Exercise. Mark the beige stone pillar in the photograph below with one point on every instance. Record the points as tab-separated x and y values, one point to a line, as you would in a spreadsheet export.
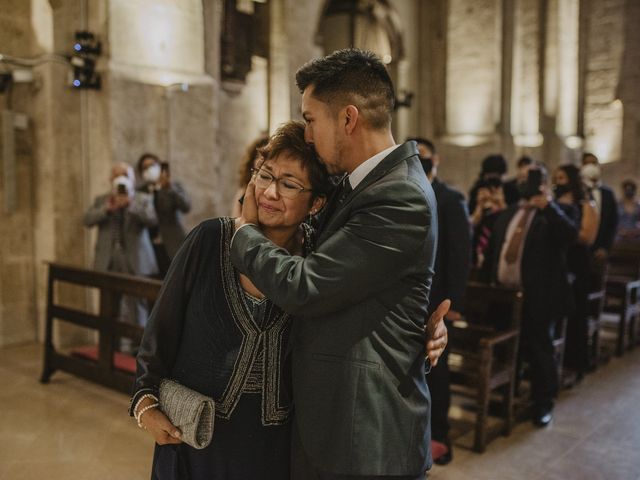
473	70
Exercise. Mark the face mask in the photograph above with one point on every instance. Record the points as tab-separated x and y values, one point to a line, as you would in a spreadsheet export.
560	190
427	164
125	182
151	174
590	175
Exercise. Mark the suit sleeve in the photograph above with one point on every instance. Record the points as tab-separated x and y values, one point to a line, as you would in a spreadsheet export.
162	334
457	235
142	209
378	244
563	228
96	213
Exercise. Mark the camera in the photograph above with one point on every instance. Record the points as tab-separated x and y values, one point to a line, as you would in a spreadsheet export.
122	189
531	187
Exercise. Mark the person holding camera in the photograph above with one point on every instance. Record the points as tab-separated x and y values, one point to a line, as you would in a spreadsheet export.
527	250
123	216
170	201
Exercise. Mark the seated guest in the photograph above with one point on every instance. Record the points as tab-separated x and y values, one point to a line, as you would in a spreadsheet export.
629	212
449	282
528	250
170	201
123	217
568	190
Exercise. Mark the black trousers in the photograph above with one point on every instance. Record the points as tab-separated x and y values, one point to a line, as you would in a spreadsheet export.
439	387
537	348
302	469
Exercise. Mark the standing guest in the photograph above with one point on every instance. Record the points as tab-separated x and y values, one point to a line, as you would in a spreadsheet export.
250	163
488	205
528	251
213	331
170	201
568	190
492	172
123	217
608	209
449	282
629	212
361	298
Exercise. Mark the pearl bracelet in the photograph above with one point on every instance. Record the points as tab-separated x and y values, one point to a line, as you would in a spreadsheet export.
146	395
148	407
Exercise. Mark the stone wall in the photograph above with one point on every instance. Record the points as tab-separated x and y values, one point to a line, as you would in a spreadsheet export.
511	76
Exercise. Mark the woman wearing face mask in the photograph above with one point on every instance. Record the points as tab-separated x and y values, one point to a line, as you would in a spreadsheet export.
568	189
170	201
629	213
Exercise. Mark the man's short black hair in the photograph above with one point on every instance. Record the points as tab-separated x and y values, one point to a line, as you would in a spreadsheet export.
494	163
424	141
525	161
351	77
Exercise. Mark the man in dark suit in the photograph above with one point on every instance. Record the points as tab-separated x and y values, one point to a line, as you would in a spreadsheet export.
607	206
359	388
453	262
528	250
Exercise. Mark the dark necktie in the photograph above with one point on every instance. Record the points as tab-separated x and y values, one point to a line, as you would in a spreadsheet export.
345	190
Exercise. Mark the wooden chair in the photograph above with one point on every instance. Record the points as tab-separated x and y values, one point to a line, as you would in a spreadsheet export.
622	297
483	352
105	370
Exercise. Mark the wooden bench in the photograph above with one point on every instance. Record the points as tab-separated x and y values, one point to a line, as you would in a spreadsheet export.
483	352
111	287
622	298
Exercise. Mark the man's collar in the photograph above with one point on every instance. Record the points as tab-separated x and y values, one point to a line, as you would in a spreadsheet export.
362	170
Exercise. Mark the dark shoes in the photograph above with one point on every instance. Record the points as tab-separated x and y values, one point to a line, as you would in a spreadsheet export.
444	455
542	416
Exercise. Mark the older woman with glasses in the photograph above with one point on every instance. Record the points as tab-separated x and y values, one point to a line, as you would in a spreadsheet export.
211	330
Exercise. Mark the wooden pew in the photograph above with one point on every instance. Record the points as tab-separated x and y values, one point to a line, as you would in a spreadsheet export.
483	352
622	298
111	287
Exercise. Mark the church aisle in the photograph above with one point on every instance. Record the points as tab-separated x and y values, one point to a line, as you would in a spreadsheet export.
73	429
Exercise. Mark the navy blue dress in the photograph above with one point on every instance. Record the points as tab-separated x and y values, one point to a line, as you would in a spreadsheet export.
206	333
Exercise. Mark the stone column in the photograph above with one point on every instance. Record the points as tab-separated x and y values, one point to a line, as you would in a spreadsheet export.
474	45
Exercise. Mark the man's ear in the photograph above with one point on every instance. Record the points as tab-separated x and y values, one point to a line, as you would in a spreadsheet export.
318	203
351	117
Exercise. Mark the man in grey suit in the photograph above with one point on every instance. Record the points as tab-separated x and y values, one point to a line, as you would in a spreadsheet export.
123	245
360	300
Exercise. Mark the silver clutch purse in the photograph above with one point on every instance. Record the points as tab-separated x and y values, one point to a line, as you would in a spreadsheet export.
190	411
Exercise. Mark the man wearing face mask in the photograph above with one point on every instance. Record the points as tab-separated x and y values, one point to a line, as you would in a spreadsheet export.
607	207
122	216
527	250
170	201
452	265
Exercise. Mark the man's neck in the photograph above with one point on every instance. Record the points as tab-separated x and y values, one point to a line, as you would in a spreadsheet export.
368	144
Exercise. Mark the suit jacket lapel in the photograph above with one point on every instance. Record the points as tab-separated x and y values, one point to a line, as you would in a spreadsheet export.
400	154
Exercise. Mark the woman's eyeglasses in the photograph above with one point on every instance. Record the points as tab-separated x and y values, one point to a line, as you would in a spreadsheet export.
286	187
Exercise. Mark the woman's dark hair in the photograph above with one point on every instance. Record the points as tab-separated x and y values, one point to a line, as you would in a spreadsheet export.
351	77
575	182
249	157
289	139
494	163
143	157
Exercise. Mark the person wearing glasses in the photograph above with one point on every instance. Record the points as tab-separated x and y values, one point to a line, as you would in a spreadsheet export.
213	331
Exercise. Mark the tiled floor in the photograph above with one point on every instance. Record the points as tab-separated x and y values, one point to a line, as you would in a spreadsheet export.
72	429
